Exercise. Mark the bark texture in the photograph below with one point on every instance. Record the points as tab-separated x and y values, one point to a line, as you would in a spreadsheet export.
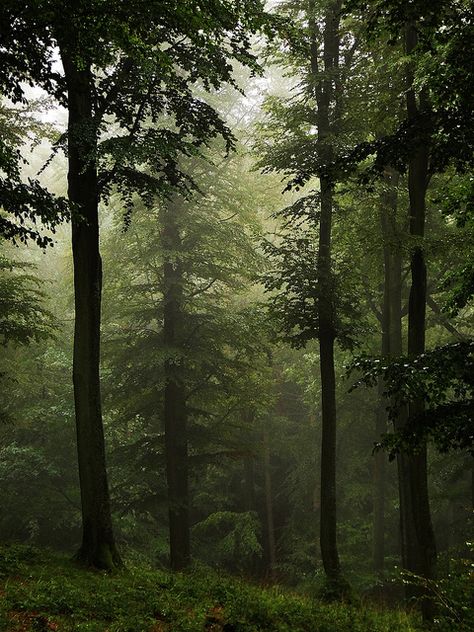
417	536
98	546
325	98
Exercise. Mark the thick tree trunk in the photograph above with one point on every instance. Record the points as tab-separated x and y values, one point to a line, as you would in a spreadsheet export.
324	88
98	547
328	526
418	542
175	413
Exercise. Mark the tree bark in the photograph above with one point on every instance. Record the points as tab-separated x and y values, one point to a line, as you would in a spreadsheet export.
98	546
391	310
418	542
379	489
325	96
175	412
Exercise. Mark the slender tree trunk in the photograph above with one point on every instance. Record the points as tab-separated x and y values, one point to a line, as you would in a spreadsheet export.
472	484
98	547
379	489
249	484
418	542
396	347
324	91
249	496
269	504
175	413
391	331
249	499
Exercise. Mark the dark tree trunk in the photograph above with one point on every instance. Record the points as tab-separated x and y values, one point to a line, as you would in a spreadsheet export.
98	547
249	484
175	413
249	498
325	97
269	504
379	489
392	276
472	485
418	542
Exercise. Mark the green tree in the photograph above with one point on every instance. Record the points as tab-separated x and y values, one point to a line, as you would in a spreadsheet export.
193	258
434	134
321	52
123	66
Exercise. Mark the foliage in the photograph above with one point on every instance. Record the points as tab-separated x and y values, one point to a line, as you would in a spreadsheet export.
235	538
27	209
292	283
443	379
442	64
52	593
145	62
453	594
38	480
23	317
457	203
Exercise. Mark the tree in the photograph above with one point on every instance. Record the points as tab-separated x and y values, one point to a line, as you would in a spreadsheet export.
442	379
305	274
23	318
186	324
123	66
435	134
418	542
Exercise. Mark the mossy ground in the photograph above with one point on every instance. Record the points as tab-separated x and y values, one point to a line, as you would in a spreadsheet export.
41	591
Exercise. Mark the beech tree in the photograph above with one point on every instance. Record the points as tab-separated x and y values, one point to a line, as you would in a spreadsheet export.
309	298
435	134
185	322
123	65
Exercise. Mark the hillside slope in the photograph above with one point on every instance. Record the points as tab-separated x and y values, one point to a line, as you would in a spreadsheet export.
41	591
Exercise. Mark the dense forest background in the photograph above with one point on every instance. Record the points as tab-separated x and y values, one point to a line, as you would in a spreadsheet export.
282	303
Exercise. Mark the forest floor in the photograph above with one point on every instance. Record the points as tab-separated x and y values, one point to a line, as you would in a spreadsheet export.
42	591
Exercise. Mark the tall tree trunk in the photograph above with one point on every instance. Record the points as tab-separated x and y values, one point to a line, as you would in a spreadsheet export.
472	484
325	97
269	504
249	497
418	542
98	546
392	280
175	413
249	483
379	488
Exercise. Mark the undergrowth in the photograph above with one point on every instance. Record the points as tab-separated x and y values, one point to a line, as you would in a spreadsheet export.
41	591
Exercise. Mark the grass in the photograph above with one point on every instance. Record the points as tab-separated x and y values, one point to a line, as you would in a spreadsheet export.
42	591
